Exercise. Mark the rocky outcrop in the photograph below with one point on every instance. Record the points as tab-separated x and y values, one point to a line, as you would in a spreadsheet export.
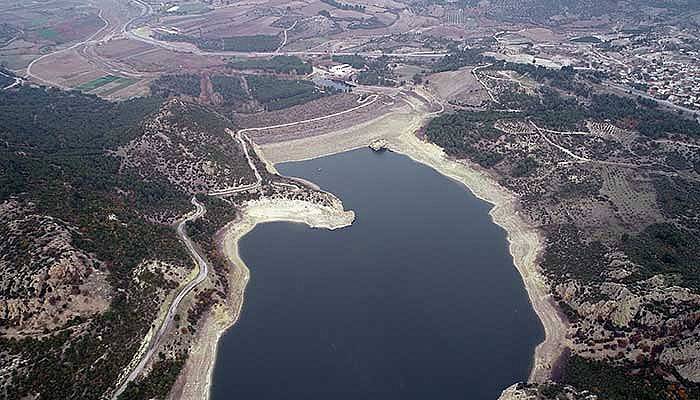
650	320
45	281
379	145
685	358
189	147
546	391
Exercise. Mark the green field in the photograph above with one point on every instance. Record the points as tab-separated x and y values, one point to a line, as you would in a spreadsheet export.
123	82
48	33
95	83
193	8
586	39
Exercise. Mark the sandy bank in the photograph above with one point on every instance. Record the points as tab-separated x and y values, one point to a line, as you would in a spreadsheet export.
398	128
525	241
404	118
195	382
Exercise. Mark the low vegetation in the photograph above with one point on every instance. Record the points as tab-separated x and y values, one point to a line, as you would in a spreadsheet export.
230	88
233	43
356	61
276	64
458	59
620	383
666	249
344	6
276	94
175	85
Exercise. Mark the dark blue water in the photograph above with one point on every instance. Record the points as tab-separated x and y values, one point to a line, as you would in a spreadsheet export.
418	299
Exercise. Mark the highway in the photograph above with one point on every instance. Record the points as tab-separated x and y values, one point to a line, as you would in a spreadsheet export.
625	90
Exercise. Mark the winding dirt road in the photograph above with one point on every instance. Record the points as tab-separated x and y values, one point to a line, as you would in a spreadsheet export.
192	49
203	271
258	178
92	37
284	42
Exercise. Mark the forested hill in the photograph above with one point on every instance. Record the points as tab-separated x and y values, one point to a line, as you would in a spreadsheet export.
55	141
85	237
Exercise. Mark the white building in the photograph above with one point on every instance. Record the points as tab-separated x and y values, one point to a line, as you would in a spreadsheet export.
342	71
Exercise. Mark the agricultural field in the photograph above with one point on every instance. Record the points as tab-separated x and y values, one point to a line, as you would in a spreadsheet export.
96	83
316	25
34	29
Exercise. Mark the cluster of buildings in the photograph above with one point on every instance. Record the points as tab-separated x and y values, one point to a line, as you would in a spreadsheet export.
342	71
338	77
663	64
677	82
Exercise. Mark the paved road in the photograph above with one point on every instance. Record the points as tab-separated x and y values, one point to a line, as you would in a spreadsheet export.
92	37
203	270
192	49
666	103
15	83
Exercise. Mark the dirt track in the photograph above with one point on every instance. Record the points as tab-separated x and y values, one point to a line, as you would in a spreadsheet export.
152	342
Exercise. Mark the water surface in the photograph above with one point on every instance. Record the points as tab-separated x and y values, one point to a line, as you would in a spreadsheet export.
418	299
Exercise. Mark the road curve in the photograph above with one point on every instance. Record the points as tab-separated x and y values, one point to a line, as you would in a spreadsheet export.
258	178
191	49
365	103
172	310
90	39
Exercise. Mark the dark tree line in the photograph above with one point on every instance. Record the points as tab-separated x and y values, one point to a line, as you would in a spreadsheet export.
277	64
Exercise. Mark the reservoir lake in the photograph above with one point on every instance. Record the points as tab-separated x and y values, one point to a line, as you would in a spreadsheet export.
418	299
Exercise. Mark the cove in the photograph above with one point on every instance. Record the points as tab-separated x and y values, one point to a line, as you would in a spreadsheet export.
417	299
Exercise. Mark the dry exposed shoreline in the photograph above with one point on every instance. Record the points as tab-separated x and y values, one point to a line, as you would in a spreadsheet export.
525	245
525	242
195	382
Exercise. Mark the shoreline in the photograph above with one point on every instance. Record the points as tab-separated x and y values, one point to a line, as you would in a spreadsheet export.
199	370
525	243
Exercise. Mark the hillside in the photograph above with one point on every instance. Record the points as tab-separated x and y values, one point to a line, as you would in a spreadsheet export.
613	185
88	253
190	148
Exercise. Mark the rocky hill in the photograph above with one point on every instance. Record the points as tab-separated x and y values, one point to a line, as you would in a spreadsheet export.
189	147
88	192
45	281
